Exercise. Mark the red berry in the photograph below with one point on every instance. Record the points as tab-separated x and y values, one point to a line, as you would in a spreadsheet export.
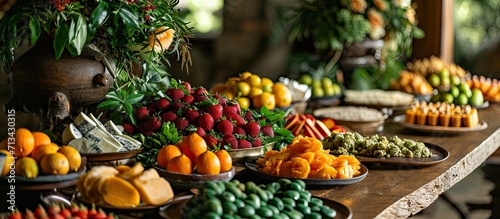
181	123
162	104
187	86
177	105
239	131
257	142
30	215
188	99
249	116
16	215
200	131
129	128
211	141
152	124
267	130
225	127
237	118
206	121
147	133
230	140
192	116
168	116
243	143
175	94
141	114
200	91
215	110
230	109
66	213
252	129
100	215
222	100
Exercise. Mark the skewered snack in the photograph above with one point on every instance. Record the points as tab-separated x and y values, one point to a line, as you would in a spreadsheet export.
442	114
353	143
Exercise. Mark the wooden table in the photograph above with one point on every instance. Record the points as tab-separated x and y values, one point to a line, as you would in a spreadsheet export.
400	192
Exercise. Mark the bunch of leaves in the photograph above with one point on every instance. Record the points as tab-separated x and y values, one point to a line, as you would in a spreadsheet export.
275	118
378	77
152	144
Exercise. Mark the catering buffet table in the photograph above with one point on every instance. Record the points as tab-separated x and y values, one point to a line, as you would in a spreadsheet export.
402	191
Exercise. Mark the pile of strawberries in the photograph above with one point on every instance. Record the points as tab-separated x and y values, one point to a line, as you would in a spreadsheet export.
57	212
220	121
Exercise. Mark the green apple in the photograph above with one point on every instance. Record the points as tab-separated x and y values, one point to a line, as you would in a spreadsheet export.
338	89
316	83
465	89
455	80
476	98
454	91
305	79
447	97
434	80
445	80
444	73
329	90
327	82
317	91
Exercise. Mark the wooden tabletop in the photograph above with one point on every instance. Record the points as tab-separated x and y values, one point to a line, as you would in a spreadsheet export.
402	191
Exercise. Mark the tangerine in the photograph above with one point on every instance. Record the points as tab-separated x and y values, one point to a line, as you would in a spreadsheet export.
25	143
192	146
27	167
264	99
245	75
41	138
167	153
43	150
55	164
73	156
226	162
180	164
282	95
208	163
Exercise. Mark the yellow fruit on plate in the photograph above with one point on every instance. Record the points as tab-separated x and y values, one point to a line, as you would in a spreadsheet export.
41	138
25	143
245	75
9	159
242	88
27	167
244	102
73	156
55	164
255	91
266	84
254	81
264	99
282	95
42	150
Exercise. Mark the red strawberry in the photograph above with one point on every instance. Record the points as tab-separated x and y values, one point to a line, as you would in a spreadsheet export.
187	86
177	105
237	118
257	142
168	116
230	109
243	143
92	212
181	123
230	140
152	124
100	215
30	215
162	104
66	213
74	208
249	116
211	141
222	100
152	109
141	114
200	91
16	215
215	110
206	121
175	94
129	128
225	127
239	131
192	116
200	131
147	133
267	130
253	129
235	104
188	99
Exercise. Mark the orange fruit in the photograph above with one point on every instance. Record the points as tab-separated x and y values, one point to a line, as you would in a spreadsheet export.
226	162
255	91
242	88
25	143
43	150
264	99
41	138
167	153
254	81
73	156
208	163
180	164
56	164
245	75
9	160
192	146
27	167
282	95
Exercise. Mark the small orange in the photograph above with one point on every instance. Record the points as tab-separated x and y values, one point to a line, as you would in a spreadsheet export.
180	164
25	143
166	153
55	164
73	156
192	146
27	167
208	163
226	162
8	161
282	95
41	138
43	150
264	99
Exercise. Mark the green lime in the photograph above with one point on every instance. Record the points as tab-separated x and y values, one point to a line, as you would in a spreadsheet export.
444	73
462	99
434	80
329	91
327	82
337	88
454	91
455	80
318	92
447	97
445	80
464	88
305	79
316	83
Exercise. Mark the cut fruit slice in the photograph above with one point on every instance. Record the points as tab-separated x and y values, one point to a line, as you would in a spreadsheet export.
321	127
329	123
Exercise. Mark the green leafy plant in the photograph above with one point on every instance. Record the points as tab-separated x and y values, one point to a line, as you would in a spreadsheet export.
129	31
